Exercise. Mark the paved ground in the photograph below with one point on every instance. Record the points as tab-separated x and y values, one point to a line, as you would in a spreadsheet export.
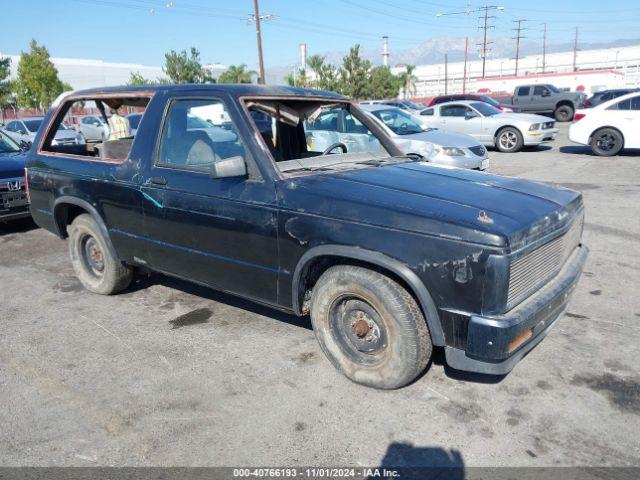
172	374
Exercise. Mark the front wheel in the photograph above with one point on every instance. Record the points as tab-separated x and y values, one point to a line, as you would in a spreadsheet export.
369	327
509	140
606	142
95	267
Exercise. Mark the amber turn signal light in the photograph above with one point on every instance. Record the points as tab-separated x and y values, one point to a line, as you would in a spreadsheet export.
519	340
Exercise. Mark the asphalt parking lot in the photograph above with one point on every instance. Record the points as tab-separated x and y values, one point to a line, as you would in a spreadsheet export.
168	373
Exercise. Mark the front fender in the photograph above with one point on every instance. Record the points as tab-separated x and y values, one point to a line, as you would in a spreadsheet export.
381	260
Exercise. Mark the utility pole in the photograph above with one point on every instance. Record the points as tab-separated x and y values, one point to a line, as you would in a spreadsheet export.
446	74
575	50
485	27
256	13
544	47
464	72
517	38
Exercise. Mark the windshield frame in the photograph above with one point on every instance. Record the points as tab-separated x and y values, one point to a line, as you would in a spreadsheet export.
377	130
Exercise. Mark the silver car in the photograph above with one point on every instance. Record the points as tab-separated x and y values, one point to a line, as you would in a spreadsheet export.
437	146
94	128
25	129
508	132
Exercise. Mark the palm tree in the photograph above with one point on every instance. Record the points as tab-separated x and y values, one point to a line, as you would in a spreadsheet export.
316	62
237	74
408	80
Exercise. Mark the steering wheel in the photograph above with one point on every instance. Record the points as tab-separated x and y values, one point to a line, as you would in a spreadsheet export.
333	146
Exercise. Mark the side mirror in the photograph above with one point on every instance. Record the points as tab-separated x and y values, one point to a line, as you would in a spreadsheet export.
24	145
545	94
229	167
469	116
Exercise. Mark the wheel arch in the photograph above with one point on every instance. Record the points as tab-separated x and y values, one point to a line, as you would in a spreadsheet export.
325	256
66	208
502	127
562	103
602	127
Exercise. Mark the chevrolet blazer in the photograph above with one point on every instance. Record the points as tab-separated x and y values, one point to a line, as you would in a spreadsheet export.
225	186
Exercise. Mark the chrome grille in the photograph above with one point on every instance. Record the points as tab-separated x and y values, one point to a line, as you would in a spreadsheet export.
478	150
534	269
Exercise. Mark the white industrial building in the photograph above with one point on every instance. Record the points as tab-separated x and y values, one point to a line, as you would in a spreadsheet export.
595	70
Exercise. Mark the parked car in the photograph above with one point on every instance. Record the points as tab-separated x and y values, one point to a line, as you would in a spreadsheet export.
610	126
24	130
545	98
436	146
389	255
93	128
13	198
403	104
606	95
134	121
478	98
508	132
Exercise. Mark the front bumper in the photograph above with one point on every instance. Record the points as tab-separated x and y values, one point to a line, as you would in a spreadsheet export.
489	347
540	136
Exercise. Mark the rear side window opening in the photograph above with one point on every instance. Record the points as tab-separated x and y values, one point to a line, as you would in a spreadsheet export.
100	129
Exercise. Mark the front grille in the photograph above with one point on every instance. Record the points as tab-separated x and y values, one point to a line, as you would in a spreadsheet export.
548	125
533	270
11	186
478	150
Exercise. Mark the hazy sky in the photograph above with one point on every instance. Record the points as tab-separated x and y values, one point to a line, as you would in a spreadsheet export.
140	31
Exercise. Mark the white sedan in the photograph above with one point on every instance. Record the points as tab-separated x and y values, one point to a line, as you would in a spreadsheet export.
508	132
610	126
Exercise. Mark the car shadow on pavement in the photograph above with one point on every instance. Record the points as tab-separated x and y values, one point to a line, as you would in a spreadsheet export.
142	282
411	463
17	226
536	148
586	150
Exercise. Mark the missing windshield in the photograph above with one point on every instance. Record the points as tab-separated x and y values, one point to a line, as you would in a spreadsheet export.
315	135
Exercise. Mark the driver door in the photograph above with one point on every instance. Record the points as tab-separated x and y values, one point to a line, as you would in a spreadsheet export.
461	118
216	231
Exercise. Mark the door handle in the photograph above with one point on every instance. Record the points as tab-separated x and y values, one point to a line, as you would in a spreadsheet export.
158	180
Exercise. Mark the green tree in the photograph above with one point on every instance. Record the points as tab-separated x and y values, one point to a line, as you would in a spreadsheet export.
38	83
384	84
185	68
6	86
136	79
354	75
299	80
237	74
325	75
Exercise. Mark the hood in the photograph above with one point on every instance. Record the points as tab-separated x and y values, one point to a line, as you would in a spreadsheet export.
525	117
12	165
435	200
443	138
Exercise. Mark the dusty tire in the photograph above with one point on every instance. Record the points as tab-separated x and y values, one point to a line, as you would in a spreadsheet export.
369	327
606	142
95	267
564	113
509	140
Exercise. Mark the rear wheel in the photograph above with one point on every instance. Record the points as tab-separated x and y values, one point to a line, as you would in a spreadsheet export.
606	142
95	267
369	327
564	113
509	140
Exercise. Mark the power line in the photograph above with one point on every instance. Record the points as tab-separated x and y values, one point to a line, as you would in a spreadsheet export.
517	38
485	28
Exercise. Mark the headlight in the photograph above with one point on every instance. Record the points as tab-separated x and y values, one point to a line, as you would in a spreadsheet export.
535	126
452	152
